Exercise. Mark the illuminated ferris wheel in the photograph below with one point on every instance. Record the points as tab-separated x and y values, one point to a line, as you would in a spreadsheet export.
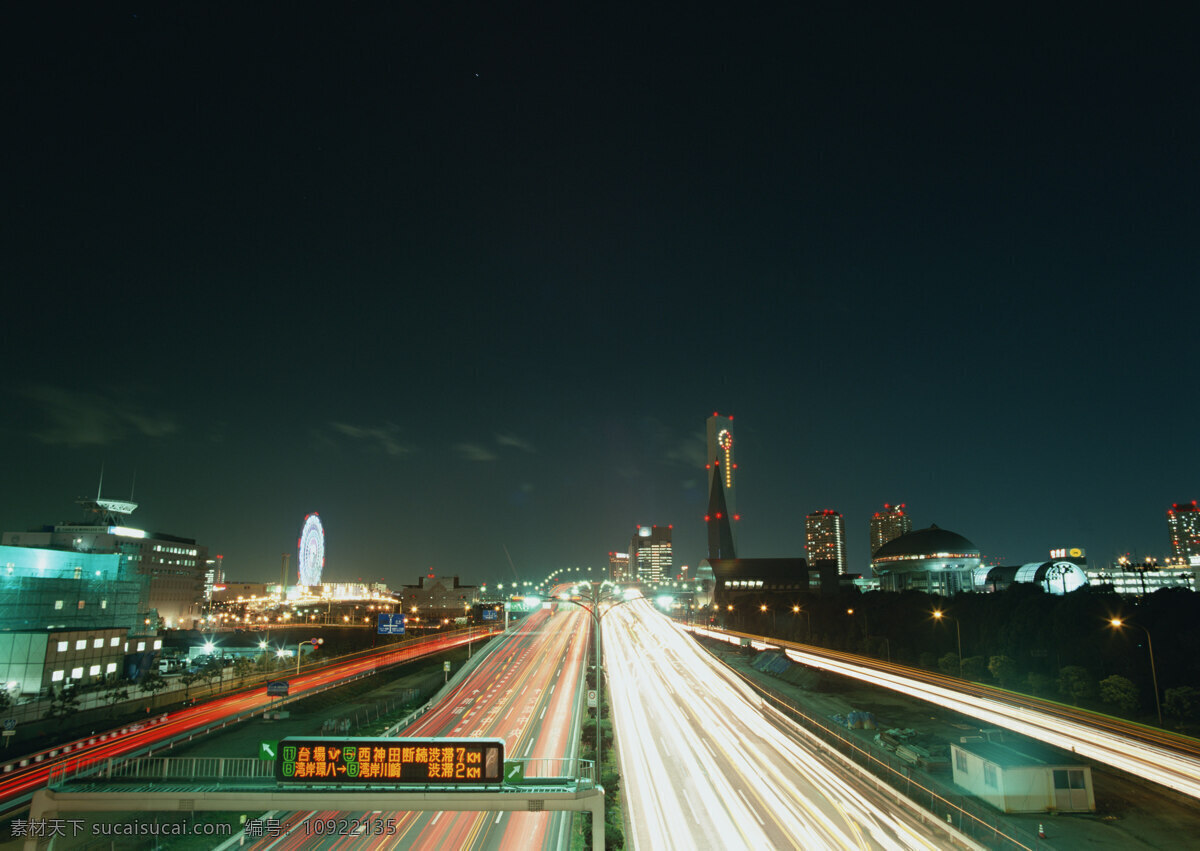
312	550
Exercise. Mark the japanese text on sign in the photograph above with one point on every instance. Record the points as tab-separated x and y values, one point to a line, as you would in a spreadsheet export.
421	761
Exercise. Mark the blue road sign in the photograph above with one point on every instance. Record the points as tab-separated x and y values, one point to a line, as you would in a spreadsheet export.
278	688
391	623
489	614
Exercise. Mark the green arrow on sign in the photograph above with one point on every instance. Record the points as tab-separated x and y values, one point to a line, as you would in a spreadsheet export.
266	750
514	772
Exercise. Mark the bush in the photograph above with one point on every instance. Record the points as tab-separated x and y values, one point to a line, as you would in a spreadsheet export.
1005	671
1120	692
975	668
1182	703
948	664
1076	683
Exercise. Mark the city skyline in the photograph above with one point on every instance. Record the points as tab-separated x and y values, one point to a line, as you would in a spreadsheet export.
467	283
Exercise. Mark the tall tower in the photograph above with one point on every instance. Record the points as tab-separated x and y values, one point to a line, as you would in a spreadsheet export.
890	523
1183	523
722	495
825	538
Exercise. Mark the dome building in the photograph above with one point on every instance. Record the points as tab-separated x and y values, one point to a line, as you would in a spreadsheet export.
933	560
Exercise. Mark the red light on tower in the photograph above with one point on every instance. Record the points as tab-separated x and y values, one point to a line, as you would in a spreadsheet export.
707	518
737	517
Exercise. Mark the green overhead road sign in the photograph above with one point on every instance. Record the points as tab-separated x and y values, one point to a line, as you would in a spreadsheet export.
266	750
514	772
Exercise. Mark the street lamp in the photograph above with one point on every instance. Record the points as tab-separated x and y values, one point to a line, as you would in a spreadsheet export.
314	642
938	614
1117	623
796	610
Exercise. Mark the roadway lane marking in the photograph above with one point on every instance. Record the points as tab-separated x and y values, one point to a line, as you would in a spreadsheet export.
543	715
439	815
499	816
753	811
710	750
662	742
688	799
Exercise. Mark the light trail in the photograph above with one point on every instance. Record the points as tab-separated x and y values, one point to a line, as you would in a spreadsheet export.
707	763
1178	771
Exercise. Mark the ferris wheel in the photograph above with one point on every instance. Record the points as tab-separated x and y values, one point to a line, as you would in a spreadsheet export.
312	550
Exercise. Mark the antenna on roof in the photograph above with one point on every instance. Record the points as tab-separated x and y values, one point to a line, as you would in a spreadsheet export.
100	486
133	485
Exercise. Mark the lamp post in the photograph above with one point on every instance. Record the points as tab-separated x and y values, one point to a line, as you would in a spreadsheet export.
938	614
314	643
796	610
1117	623
596	597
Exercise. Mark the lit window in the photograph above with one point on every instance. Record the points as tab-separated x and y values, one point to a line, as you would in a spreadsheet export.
112	667
62	646
158	644
960	760
58	605
81	644
57	676
989	775
141	646
97	643
104	604
94	670
114	641
76	673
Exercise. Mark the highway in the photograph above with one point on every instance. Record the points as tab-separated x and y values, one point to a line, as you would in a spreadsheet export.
527	691
705	763
18	784
1155	755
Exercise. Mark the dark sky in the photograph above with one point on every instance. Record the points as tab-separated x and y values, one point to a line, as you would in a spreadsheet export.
463	277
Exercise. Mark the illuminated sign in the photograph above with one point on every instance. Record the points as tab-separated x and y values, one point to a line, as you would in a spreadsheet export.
391	623
361	761
126	532
1073	552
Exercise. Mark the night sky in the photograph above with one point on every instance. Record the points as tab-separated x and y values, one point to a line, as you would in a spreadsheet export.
462	277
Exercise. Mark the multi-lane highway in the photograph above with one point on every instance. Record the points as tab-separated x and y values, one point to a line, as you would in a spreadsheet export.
1156	755
527	691
18	784
706	764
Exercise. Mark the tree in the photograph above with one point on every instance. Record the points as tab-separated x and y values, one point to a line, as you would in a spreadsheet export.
243	666
1182	703
5	700
1004	670
974	668
1120	692
211	670
927	659
116	689
152	683
64	702
189	679
948	664
1076	682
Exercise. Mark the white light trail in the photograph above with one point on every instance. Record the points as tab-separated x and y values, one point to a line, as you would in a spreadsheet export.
707	763
1160	765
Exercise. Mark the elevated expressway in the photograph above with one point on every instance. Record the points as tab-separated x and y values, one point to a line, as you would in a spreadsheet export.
528	690
707	763
1146	752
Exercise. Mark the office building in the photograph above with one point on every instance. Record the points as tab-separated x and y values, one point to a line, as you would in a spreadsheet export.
889	524
174	565
71	618
1183	524
650	554
618	567
825	538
